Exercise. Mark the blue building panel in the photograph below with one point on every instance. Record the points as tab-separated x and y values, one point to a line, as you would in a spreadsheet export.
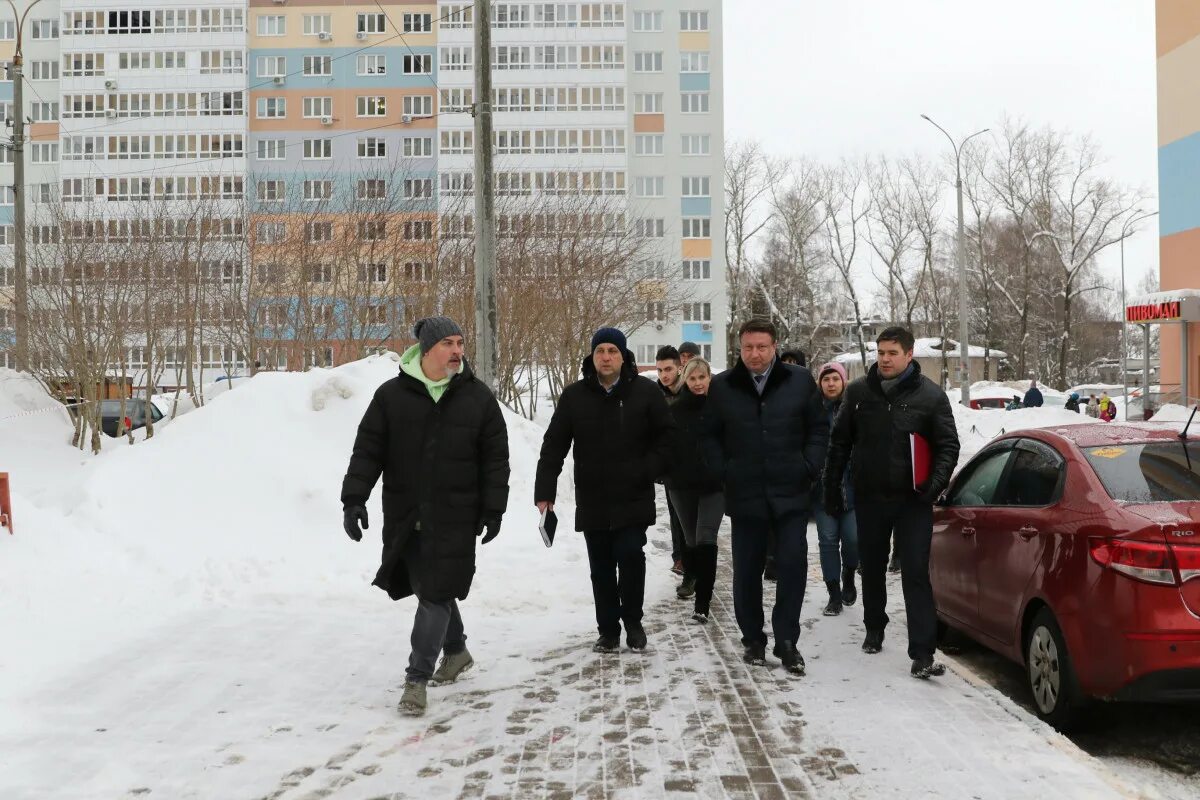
344	69
694	82
1179	185
694	332
696	206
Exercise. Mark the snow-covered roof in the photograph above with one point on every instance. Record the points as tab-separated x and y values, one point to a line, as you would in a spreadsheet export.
928	347
1165	296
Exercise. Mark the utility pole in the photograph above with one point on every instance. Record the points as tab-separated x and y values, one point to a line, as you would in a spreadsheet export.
21	274
964	309
1125	232
485	201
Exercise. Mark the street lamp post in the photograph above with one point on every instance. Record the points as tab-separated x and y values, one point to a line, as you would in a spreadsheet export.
964	352
20	276
1125	326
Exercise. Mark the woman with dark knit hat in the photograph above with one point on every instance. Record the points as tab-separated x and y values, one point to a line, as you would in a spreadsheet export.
837	531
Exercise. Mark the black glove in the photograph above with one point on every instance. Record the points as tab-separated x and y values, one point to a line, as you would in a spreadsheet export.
352	517
928	492
493	529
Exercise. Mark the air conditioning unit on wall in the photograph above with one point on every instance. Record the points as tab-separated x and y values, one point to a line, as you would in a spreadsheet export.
326	120
324	36
706	327
110	85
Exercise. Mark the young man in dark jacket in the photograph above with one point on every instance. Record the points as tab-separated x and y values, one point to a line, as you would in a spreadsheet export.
437	436
873	433
621	429
667	362
766	438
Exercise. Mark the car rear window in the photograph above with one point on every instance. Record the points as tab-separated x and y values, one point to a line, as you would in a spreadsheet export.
111	408
1150	472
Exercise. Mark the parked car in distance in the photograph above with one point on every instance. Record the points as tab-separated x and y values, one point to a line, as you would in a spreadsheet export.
1076	552
135	415
988	403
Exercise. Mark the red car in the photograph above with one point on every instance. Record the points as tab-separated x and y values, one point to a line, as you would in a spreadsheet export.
1076	552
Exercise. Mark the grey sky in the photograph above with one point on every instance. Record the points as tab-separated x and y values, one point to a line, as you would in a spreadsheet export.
832	78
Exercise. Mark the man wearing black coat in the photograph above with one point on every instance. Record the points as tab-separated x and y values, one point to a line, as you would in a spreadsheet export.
621	430
437	436
766	437
874	432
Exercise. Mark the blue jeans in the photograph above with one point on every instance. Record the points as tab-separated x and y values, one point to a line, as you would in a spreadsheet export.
750	545
837	538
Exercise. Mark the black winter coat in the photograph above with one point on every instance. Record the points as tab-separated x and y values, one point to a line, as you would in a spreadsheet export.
444	465
871	432
689	467
622	445
767	450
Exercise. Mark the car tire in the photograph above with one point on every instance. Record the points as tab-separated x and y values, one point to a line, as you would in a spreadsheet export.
1050	673
949	639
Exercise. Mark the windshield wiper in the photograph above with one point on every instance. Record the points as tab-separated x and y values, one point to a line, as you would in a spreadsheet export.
1183	437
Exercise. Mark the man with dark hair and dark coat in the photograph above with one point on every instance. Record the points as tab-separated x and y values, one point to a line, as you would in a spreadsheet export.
438	437
667	363
622	432
873	433
766	438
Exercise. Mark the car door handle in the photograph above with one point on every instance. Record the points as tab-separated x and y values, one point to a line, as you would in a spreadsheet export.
968	531
1027	532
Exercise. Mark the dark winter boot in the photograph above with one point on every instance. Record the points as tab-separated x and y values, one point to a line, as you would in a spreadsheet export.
704	562
834	606
787	653
849	593
755	654
925	668
635	636
607	644
687	588
873	643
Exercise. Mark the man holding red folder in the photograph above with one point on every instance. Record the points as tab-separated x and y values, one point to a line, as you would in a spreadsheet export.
896	430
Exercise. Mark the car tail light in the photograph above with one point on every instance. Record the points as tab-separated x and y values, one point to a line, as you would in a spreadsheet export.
1143	561
1187	558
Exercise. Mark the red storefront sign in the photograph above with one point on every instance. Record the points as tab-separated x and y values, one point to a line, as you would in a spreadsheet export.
1153	312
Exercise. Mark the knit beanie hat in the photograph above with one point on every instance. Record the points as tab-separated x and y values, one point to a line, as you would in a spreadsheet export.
833	366
689	347
609	336
431	330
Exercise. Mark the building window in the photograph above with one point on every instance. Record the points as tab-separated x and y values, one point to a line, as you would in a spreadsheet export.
271	149
316	24
48	28
696	144
372	273
318	190
43	112
418	188
372	147
694	102
318	148
656	311
372	23
43	70
648	21
693	20
317	107
418	105
418	230
266	66
417	23
371	106
418	271
320	232
271	192
648	62
697	270
372	230
318	65
372	65
697	312
645	103
370	189
272	25
272	107
696	187
45	152
418	147
693	61
418	65
649	186
649	228
697	228
648	144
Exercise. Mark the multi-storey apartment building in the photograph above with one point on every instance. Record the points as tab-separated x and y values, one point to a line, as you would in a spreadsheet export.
338	135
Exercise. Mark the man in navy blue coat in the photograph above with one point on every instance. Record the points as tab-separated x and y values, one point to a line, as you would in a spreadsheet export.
766	437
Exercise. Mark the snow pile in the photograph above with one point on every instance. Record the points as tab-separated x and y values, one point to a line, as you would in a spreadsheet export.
977	428
237	504
1172	412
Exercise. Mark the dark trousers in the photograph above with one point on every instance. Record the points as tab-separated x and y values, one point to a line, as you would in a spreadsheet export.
678	543
912	523
752	538
437	628
618	567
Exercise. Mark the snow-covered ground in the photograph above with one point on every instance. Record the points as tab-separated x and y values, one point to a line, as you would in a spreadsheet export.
178	608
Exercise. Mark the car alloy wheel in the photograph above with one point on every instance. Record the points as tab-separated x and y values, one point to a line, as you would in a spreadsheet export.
1045	674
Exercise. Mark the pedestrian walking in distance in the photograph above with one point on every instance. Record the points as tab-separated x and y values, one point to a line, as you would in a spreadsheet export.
695	491
667	363
766	435
437	436
621	429
1033	396
875	432
837	533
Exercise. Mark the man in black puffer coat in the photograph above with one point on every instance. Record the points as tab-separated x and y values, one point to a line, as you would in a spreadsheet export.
766	437
873	433
622	433
437	436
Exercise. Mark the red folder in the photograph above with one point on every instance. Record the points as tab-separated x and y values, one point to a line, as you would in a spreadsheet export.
922	459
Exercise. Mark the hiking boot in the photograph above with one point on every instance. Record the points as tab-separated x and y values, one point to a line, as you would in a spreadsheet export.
793	662
925	668
635	636
607	644
769	573
873	643
412	702
755	654
894	564
700	617
834	607
849	593
452	667
677	567
687	588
